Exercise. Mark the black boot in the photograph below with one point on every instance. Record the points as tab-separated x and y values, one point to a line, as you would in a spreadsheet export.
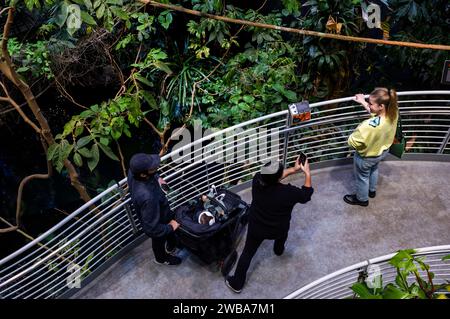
352	200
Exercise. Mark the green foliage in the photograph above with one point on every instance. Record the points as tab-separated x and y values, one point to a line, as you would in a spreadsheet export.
256	70
165	19
291	6
145	26
256	82
208	6
408	266
30	58
416	23
85	271
104	123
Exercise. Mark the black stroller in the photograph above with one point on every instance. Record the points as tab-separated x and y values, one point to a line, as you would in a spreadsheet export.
216	242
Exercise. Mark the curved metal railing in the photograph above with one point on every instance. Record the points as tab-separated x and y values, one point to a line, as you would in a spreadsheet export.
88	240
338	284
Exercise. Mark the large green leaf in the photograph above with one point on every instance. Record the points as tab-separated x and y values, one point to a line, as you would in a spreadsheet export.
87	18
165	19
85	152
62	14
100	11
163	67
144	80
118	12
108	152
88	4
93	161
164	107
86	114
363	292
392	292
52	151
64	151
78	160
290	95
401	257
97	3
84	141
68	127
104	141
248	98
150	99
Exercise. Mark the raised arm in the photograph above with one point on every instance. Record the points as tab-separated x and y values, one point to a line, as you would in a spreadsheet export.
361	100
299	167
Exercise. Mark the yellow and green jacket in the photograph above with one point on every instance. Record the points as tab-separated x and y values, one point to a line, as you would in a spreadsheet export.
373	136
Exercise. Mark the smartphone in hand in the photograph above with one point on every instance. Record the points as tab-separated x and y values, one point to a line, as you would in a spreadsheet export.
302	158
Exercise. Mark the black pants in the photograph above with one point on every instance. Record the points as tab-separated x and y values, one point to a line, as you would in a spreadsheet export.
158	246
252	243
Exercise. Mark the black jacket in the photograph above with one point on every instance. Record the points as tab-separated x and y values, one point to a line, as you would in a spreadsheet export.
271	208
151	205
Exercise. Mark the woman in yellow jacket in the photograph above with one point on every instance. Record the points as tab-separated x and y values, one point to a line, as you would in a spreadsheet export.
371	141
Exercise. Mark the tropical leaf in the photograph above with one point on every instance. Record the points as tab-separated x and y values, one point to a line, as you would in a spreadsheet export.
108	152
93	161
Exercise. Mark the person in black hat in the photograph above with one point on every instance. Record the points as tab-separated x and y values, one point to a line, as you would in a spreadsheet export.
270	213
152	207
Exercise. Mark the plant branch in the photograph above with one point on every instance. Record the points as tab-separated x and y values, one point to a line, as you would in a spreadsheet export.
7	68
419	281
122	160
20	190
153	127
31	238
25	103
297	31
66	94
18	109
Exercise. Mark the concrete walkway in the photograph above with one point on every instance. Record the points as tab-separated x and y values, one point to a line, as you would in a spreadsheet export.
411	210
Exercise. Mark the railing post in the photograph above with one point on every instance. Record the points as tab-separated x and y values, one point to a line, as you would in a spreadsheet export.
286	137
444	142
128	210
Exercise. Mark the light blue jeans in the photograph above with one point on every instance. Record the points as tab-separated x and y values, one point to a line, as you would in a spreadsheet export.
366	174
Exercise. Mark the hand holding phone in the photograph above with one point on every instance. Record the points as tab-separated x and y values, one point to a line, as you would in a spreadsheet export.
302	158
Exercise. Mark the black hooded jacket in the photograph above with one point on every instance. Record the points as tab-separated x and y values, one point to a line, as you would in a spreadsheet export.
152	206
271	208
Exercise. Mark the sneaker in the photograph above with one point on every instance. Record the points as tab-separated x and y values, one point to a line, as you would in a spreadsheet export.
372	194
277	250
170	260
237	291
169	248
352	200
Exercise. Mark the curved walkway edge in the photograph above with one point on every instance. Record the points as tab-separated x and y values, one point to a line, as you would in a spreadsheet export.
412	209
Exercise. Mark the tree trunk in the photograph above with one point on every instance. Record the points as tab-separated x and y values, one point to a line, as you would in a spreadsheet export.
6	67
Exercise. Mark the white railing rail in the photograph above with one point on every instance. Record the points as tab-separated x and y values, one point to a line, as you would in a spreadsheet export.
92	235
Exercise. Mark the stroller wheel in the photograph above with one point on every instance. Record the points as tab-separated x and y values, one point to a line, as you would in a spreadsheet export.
229	262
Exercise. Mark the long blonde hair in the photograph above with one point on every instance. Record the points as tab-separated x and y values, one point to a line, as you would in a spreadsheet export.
388	97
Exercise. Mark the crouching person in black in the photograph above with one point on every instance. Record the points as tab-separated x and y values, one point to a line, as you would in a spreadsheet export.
152	207
270	214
